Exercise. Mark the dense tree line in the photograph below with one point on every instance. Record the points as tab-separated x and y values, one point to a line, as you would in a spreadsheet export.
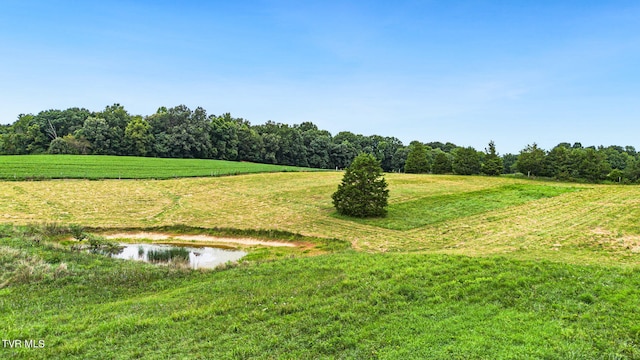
180	132
575	162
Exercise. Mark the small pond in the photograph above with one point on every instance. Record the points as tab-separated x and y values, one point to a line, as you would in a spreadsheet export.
198	257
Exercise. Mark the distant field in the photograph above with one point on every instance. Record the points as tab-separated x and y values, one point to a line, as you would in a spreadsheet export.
21	167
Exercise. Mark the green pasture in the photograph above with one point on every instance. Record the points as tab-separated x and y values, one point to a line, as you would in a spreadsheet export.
423	211
342	305
41	167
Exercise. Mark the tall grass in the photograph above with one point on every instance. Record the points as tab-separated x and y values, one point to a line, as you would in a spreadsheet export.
174	254
19	267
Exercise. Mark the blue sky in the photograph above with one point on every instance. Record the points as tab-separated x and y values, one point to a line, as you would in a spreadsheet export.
468	72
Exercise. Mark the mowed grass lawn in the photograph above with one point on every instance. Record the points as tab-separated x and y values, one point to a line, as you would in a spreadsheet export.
21	167
518	218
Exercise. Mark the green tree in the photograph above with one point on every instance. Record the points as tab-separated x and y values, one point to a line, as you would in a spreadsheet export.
224	137
508	163
441	163
363	191
593	165
466	161
342	154
181	133
399	159
60	146
117	119
559	162
531	160
98	133
492	165
416	159
137	137
385	149
250	143
68	144
632	170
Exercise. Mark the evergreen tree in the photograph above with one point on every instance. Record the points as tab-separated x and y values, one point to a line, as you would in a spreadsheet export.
416	159
593	166
363	191
441	163
492	165
559	162
466	161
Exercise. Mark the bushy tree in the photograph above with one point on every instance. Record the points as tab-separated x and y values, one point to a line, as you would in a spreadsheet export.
342	154
98	133
416	159
137	136
559	162
399	159
363	191
466	161
508	163
441	163
593	165
69	144
224	137
532	160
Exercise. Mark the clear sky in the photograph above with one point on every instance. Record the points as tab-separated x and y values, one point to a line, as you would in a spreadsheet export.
512	71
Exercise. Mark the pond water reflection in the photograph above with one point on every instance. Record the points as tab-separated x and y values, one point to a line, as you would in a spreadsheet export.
199	257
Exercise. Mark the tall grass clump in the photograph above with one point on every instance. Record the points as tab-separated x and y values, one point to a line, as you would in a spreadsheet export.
175	254
18	267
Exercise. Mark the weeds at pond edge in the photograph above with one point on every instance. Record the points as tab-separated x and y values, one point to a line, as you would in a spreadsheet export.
174	254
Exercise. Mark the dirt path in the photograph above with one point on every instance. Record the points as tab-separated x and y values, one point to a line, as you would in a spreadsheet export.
201	238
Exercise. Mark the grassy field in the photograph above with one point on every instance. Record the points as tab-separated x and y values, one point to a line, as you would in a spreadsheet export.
346	305
41	167
574	223
463	267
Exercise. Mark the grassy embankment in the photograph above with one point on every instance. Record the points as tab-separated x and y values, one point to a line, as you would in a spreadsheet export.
553	272
42	167
345	305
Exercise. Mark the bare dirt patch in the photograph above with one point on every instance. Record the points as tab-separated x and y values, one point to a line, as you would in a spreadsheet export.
601	231
200	238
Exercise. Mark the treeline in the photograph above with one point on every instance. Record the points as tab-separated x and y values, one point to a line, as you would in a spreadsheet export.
575	162
180	132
